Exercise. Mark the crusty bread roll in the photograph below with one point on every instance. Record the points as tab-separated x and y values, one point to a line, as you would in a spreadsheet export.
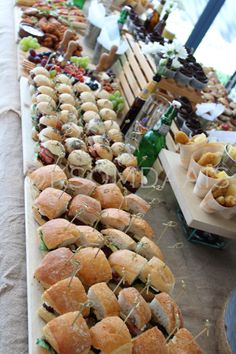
86	208
161	277
89	237
94	267
151	341
130	299
67	338
119	239
55	266
135	204
79	185
104	302
50	204
131	178
58	233
166	312
66	295
148	249
109	195
111	336
183	343
48	176
101	151
128	264
140	227
49	133
115	218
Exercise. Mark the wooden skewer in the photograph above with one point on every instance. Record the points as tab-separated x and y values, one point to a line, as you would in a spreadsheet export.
177	324
83	306
122	280
167	225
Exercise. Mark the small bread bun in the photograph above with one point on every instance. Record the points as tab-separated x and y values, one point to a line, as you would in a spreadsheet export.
104	103
39	70
87	97
161	277
166	312
46	90
49	133
79	185
65	338
48	176
132	178
55	148
81	87
88	106
103	94
115	218
101	151
119	239
140	227
141	314
72	130
89	237
151	341
109	195
58	233
64	88
86	208
68	107
125	160
94	267
54	266
104	172
72	144
115	135
135	204
108	114
63	79
118	149
66	98
79	158
42	80
44	108
95	127
148	249
50	121
67	116
45	98
99	139
104	302
183	343
112	336
127	264
111	124
87	116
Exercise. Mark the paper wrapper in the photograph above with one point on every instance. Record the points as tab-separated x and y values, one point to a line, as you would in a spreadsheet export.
203	184
194	168
187	150
211	206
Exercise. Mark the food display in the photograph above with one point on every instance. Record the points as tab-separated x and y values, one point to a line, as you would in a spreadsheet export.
100	270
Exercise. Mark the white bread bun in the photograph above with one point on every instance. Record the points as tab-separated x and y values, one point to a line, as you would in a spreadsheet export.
140	227
39	70
115	135
104	103
141	313
183	343
101	151
69	107
45	98
166	312
115	218
118	149
104	172
48	176
87	97
79	185
55	147
64	88
135	204
109	195
63	79
46	90
88	106
132	178
125	160
129	262
151	341
80	158
58	233
49	133
89	237
111	124
111	336
87	208
89	115
108	114
103	94
104	302
161	277
72	144
44	108
100	139
55	266
64	337
81	87
119	239
42	80
66	98
95	127
94	267
72	130
50	121
148	249
67	115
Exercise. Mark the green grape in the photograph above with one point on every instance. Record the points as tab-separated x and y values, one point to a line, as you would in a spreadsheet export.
52	73
120	107
117	94
120	100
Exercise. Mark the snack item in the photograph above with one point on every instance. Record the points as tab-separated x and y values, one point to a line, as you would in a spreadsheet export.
101	151
49	133
79	185
89	237
132	178
183	343
109	195
209	159
181	138
151	341
72	144
108	114
104	172
80	162
84	209
148	249
72	130
115	218
48	176
51	151
125	160
135	204
118	240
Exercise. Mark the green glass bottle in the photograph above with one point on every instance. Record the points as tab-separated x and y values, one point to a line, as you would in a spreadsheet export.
155	139
123	17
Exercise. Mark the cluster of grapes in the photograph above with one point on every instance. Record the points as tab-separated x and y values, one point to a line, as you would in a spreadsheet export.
29	42
83	62
117	101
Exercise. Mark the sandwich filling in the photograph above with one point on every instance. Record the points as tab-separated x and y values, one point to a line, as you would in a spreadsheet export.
45	345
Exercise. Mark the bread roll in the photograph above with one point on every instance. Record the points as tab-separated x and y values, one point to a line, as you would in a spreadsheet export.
48	176
86	209
109	195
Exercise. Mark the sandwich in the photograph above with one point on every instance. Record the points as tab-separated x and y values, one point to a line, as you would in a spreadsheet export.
89	115
94	267
89	237
132	178
115	218
68	114
183	343
65	334
50	121
119	148
66	295
115	136
104	172
97	139
151	341
125	160
48	176
111	124
148	249
79	185
49	133
111	336
85	209
126	264
55	266
166	313
71	130
94	126
159	274
140	227
79	162
132	304
50	204
51	151
72	144
101	151
57	233
118	240
135	204
104	302
108	114
109	195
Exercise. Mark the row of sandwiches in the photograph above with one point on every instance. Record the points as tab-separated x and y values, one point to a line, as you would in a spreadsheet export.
106	286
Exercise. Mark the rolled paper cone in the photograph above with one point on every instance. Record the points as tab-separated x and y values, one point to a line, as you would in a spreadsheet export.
203	185
194	168
187	150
